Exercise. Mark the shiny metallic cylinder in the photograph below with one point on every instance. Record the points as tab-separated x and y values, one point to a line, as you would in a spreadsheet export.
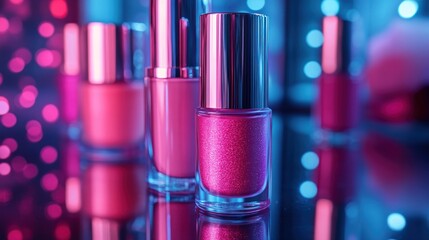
174	36
113	53
234	61
337	45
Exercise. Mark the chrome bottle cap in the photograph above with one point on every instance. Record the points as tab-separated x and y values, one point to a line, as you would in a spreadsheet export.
174	39
234	61
113	53
337	45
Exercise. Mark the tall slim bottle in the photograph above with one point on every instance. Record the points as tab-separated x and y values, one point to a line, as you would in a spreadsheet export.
233	121
173	81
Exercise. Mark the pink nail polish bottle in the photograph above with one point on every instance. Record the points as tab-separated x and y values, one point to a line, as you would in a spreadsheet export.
172	218
173	81
69	78
112	95
233	121
248	228
337	103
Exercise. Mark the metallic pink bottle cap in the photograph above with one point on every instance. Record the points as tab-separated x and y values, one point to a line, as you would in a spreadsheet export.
336	50
113	53
71	49
174	36
234	61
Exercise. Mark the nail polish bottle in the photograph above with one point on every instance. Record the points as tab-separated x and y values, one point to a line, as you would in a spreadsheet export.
233	121
337	102
69	79
247	228
172	217
112	95
173	81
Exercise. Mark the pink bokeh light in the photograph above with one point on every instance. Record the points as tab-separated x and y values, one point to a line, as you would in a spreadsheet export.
34	131
5	195
4	24
24	54
4	169
15	234
50	113
16	1
11	143
28	96
54	211
62	232
4	152
58	8
1	78
18	163
4	105
49	182
46	29
16	64
48	154
15	26
30	171
8	120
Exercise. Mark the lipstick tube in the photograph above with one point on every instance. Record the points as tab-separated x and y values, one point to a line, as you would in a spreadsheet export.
112	95
233	121
337	103
173	81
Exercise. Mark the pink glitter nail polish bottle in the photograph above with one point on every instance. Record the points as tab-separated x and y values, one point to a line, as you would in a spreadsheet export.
234	121
173	81
112	95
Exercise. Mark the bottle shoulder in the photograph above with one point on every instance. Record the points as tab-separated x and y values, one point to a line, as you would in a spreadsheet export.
235	112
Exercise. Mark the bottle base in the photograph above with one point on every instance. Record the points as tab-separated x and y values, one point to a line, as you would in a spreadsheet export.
233	208
164	184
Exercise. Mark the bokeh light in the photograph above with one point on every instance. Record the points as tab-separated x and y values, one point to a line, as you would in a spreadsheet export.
256	5
312	69
49	182
15	234
310	160
1	78
53	211
330	7
46	29
8	120
408	8
314	38
396	221
58	8
15	26
16	64
62	231
28	96
30	171
50	113
34	131
48	154
18	163
5	195
4	151
4	24
16	1
24	54
308	189
4	105
48	58
11	143
4	169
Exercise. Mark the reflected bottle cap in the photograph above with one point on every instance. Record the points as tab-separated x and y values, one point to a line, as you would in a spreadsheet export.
113	53
337	45
174	37
234	61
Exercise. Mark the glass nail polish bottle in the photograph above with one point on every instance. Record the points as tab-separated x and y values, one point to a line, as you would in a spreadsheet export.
112	94
233	121
173	81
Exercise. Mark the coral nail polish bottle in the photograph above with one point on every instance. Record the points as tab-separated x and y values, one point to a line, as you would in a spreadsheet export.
69	79
233	121
173	81
112	96
338	90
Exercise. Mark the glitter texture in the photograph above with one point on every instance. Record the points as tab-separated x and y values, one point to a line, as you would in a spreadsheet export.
233	151
225	230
